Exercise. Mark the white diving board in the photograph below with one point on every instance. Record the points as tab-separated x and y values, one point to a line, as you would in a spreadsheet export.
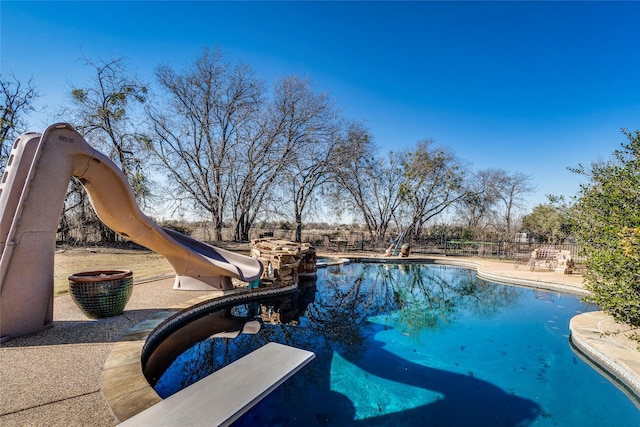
222	397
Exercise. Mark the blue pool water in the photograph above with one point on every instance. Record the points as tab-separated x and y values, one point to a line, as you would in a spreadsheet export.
414	345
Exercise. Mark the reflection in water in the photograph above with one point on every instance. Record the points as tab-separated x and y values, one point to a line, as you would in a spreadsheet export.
395	345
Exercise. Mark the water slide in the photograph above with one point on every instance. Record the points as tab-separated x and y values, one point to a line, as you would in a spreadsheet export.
32	193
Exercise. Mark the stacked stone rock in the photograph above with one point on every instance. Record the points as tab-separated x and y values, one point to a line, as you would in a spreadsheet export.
309	261
281	260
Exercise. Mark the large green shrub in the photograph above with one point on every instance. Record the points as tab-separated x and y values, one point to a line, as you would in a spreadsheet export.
548	222
606	218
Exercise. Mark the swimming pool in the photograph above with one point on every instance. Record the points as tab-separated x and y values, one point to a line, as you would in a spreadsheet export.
414	344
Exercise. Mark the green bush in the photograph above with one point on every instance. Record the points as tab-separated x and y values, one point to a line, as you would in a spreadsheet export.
606	220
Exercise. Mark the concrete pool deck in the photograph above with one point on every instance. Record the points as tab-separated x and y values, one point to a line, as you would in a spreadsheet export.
55	377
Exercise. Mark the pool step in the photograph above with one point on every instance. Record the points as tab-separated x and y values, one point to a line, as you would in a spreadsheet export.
222	397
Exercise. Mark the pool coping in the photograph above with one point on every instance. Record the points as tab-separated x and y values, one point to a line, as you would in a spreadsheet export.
614	361
127	391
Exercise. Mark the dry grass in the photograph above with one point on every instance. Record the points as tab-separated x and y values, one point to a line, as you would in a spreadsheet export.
143	263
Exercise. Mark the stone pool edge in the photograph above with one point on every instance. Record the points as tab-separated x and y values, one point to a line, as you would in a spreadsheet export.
615	361
124	386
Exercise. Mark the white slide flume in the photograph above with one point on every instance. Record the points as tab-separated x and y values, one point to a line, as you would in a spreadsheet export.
32	193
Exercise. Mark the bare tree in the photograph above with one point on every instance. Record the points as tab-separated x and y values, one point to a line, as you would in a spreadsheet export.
261	161
479	198
510	191
107	110
104	111
366	185
309	127
16	101
432	182
211	124
293	132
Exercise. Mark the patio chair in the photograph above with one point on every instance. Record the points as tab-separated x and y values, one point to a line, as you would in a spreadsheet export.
351	242
327	244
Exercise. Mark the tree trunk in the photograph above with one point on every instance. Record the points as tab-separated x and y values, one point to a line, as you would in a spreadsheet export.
298	236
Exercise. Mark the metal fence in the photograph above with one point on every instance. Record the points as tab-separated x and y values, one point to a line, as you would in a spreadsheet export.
361	241
352	241
517	251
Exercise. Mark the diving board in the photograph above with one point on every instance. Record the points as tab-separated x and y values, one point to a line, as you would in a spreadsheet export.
222	397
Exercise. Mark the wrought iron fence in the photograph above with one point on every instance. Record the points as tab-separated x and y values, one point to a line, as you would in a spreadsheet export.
510	250
513	250
362	241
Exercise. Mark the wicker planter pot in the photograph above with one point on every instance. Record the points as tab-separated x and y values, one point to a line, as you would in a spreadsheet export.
101	293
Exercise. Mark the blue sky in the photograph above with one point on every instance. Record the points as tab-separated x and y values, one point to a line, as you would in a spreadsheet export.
531	87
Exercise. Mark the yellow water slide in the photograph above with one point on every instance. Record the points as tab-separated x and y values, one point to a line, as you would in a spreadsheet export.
32	193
